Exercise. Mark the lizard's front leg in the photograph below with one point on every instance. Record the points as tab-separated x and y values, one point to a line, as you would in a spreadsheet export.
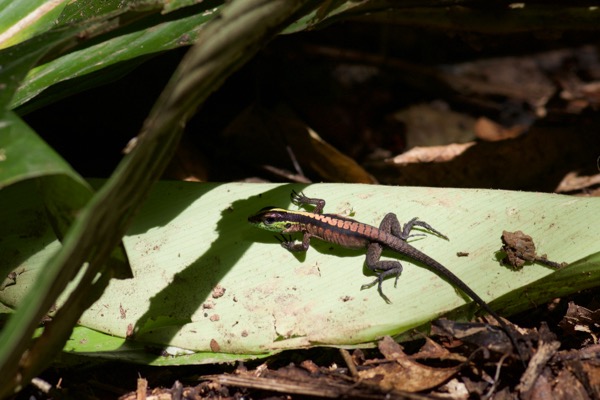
290	244
300	199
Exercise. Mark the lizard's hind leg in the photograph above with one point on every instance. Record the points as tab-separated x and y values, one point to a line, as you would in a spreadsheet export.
383	269
404	234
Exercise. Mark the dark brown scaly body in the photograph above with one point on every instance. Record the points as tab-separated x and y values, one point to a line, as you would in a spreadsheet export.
336	229
352	234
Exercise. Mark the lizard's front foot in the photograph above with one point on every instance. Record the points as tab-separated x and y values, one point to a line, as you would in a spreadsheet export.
298	199
290	244
301	200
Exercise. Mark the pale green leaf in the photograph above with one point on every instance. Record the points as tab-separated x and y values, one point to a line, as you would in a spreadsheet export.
189	238
85	342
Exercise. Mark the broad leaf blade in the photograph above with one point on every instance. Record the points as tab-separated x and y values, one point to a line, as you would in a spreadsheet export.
18	60
25	155
189	238
148	36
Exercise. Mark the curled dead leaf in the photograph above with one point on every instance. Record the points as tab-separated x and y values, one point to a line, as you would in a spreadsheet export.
401	373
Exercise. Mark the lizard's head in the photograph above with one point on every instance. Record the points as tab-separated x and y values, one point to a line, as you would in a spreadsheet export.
275	220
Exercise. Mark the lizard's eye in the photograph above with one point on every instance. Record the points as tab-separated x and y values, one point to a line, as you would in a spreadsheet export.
269	220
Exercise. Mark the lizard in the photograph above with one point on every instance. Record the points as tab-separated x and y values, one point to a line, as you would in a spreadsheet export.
349	233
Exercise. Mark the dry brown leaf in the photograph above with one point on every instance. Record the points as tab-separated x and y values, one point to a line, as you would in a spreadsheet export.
581	319
433	350
486	129
431	154
402	373
572	182
568	387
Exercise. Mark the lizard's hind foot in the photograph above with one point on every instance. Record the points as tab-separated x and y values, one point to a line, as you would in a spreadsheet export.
381	275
